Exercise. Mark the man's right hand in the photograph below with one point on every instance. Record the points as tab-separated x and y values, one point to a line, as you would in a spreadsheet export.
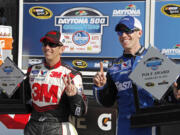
100	79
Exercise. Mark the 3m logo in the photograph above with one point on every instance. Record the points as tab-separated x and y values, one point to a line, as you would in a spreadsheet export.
40	92
56	74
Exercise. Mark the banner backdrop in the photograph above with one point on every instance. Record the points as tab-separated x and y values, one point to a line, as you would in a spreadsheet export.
167	23
88	30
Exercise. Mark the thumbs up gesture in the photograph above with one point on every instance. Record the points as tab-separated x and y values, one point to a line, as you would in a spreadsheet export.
100	79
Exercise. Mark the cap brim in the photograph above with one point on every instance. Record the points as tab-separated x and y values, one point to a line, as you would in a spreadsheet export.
49	39
118	26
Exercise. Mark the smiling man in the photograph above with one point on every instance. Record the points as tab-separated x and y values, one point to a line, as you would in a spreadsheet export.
56	91
116	85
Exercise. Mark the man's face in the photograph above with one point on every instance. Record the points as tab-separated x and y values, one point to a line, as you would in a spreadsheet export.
129	39
52	51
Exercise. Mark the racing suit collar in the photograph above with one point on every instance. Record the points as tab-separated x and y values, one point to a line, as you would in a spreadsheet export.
52	67
138	53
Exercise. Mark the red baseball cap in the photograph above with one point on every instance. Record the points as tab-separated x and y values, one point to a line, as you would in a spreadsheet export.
52	36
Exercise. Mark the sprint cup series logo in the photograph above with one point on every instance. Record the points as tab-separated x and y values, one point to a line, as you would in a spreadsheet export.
40	12
171	10
82	29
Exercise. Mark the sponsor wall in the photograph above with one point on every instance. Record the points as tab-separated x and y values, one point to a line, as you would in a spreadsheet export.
87	30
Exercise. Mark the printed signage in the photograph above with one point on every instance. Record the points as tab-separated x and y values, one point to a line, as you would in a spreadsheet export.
97	121
167	18
155	73
87	30
10	77
82	29
40	12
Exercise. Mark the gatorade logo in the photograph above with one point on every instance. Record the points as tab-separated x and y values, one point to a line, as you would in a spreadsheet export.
104	122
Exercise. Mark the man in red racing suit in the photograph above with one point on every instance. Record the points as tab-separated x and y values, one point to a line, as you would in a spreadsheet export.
56	91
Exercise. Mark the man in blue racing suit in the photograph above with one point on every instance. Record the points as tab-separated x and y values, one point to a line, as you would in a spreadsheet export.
116	85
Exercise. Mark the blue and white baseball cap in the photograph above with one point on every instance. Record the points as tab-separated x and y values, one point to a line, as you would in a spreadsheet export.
130	22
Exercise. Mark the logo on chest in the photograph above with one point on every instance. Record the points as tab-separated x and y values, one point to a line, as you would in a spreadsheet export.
43	93
55	74
124	85
126	65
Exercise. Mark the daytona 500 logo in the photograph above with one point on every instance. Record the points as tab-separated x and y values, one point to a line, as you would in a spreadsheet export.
82	29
